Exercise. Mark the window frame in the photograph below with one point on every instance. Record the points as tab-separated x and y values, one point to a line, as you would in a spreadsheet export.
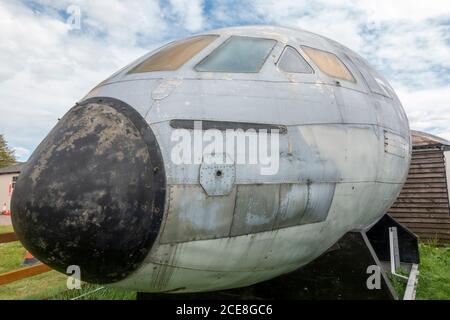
131	70
366	70
263	63
354	81
14	181
313	71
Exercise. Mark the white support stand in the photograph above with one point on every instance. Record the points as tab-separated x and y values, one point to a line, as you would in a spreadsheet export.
395	254
410	292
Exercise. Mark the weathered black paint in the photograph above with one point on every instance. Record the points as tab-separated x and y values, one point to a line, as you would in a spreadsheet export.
227	125
407	241
93	192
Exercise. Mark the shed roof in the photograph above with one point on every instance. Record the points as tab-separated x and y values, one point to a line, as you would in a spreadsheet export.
420	139
16	168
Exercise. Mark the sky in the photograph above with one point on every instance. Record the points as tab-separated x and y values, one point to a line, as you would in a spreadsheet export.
53	52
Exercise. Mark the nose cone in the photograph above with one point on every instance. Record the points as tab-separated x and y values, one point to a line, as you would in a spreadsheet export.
92	194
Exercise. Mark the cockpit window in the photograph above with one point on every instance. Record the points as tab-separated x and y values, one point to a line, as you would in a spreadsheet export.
238	55
174	55
329	63
292	61
374	81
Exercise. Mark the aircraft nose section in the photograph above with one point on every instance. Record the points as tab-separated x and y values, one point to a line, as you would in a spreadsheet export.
92	194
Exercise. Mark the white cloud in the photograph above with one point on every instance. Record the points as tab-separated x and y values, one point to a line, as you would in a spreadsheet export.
117	21
21	154
401	9
428	109
46	67
406	40
189	13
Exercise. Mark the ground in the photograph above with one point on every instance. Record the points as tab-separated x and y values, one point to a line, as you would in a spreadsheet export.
434	278
48	286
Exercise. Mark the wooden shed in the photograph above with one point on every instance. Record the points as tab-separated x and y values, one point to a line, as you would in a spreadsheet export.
423	204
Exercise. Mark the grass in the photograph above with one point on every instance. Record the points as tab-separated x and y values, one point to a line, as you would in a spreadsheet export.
11	254
434	268
50	285
6	229
434	274
102	293
434	278
37	287
399	284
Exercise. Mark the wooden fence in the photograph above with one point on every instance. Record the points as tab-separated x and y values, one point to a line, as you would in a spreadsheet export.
21	273
423	204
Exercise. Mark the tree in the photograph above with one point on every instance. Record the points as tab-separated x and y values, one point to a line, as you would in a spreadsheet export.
7	157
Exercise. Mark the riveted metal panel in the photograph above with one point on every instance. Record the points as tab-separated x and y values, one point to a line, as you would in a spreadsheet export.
256	208
137	93
165	88
216	176
265	102
217	179
293	202
193	215
395	144
320	196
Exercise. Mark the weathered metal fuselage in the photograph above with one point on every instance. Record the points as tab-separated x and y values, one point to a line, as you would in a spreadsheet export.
343	160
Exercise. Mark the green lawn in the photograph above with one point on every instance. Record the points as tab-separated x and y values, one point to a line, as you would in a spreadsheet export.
5	229
11	254
50	285
434	278
37	287
98	293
